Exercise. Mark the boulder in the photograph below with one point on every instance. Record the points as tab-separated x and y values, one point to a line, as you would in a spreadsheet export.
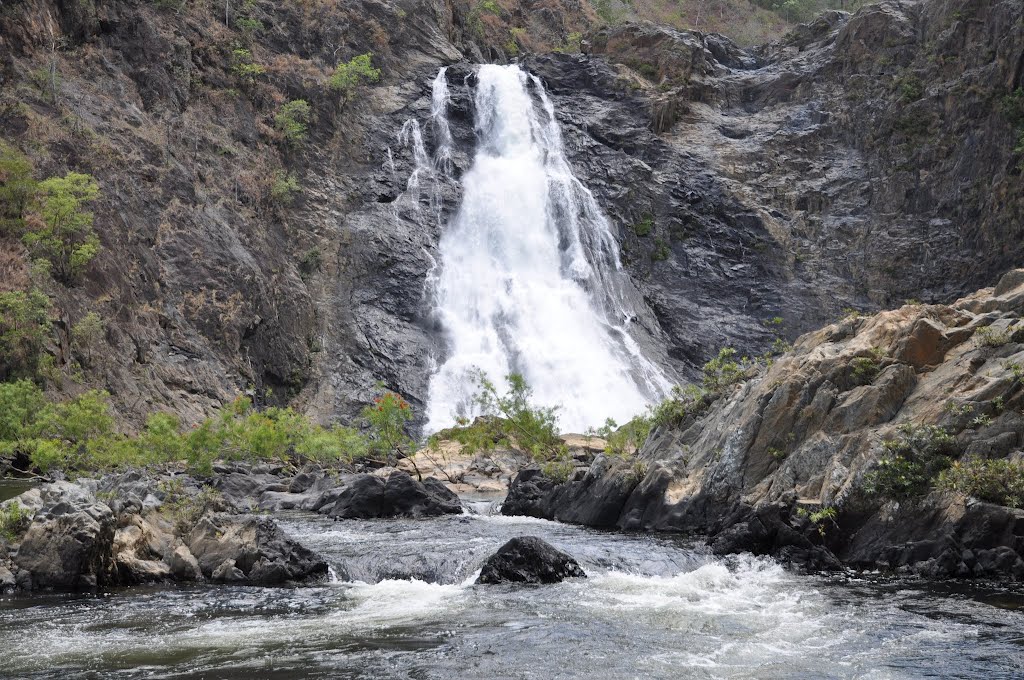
254	546
69	548
528	559
367	496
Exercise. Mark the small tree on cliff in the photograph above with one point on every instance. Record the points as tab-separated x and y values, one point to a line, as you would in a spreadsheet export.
60	231
348	75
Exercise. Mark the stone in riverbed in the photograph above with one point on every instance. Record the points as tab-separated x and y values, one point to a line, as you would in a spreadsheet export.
528	559
69	548
367	496
253	547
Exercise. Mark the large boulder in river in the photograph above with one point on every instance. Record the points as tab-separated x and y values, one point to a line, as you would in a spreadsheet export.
68	547
528	559
251	549
367	496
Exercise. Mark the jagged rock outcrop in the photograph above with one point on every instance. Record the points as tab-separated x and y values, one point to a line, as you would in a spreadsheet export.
753	469
251	549
840	167
78	540
528	559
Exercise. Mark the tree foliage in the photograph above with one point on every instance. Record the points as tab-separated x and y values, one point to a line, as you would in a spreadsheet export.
16	189
63	233
292	121
24	323
348	75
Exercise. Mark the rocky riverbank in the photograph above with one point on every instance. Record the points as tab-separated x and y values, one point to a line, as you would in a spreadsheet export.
823	459
134	528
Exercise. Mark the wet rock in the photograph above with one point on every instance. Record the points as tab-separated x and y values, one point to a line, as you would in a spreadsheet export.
69	547
366	496
254	546
528	559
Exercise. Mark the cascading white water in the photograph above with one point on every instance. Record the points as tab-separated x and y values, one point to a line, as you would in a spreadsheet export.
530	279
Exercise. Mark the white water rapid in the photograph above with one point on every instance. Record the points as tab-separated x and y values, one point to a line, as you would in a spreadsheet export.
530	279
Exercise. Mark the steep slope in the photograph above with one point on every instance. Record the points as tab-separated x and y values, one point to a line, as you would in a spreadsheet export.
832	454
862	161
232	257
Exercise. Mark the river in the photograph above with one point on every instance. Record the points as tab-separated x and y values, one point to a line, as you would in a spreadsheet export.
403	605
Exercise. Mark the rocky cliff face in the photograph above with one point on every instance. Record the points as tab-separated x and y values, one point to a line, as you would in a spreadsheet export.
755	468
864	160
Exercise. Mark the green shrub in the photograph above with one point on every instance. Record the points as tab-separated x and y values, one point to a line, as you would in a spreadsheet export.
285	188
389	416
688	401
865	369
995	481
625	441
185	510
348	75
993	337
310	263
661	250
63	234
243	66
823	518
14	521
292	121
645	226
910	462
724	370
509	419
24	323
559	469
326	445
88	334
249	26
910	88
16	189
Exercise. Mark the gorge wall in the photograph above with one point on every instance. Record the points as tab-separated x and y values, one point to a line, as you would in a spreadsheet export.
859	162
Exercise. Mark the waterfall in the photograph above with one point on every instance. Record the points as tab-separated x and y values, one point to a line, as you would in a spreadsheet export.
529	276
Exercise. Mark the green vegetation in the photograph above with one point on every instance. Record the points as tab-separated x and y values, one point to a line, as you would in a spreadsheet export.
348	75
993	337
645	226
312	262
80	434
16	189
684	401
511	420
866	369
661	250
87	335
63	234
724	370
910	462
186	510
910	88
625	441
995	481
823	518
14	521
1012	108
243	66
292	121
284	188
24	323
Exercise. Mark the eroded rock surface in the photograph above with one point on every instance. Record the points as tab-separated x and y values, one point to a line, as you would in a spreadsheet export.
752	468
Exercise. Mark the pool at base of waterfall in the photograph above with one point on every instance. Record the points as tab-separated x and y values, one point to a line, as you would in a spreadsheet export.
404	606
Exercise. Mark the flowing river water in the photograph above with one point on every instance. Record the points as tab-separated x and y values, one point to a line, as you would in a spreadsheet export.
404	606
